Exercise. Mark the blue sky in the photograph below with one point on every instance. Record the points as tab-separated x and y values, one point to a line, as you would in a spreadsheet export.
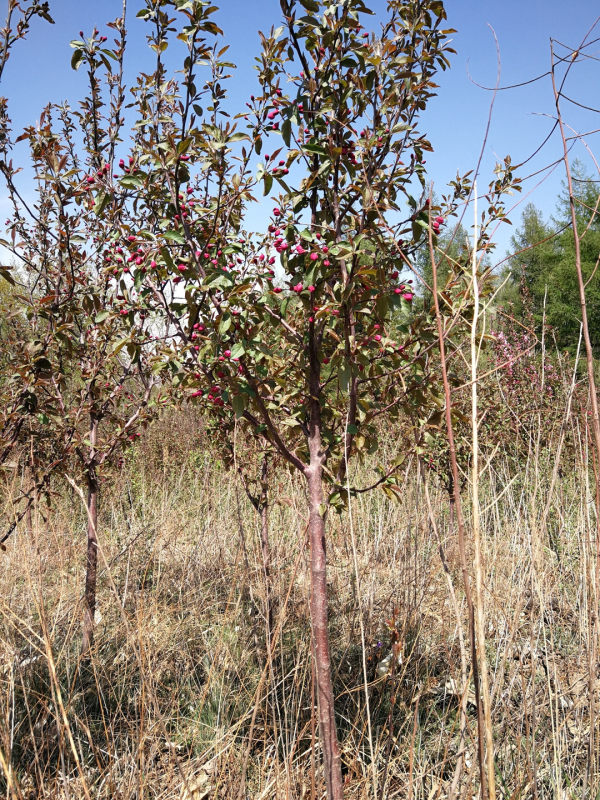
39	71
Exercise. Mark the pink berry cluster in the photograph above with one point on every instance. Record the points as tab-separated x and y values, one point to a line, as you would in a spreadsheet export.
437	223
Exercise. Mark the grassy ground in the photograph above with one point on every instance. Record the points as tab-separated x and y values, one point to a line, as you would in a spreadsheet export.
183	696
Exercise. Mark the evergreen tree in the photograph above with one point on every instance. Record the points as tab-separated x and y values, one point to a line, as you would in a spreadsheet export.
543	267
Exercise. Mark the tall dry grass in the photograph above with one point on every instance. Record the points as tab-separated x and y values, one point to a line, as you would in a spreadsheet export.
184	694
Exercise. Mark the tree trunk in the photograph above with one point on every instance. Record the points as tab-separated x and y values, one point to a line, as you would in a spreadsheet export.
266	560
91	573
320	633
264	546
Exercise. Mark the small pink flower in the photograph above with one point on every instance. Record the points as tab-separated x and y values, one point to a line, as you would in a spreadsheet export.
227	353
314	256
407	296
298	288
311	288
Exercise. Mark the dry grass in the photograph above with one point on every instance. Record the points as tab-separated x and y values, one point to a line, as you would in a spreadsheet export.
166	707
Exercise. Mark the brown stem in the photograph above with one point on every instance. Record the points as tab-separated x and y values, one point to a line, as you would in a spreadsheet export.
320	632
318	598
92	547
595	416
460	523
264	545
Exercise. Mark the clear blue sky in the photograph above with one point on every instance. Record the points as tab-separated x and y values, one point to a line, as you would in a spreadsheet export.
39	71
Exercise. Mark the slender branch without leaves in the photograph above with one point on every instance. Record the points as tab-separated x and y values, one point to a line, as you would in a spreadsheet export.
459	519
595	416
478	565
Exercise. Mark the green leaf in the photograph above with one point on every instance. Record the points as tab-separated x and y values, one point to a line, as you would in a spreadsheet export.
286	132
238	350
314	148
174	236
101	317
344	376
76	58
310	5
237	137
238	402
4	271
268	181
101	203
119	345
131	182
